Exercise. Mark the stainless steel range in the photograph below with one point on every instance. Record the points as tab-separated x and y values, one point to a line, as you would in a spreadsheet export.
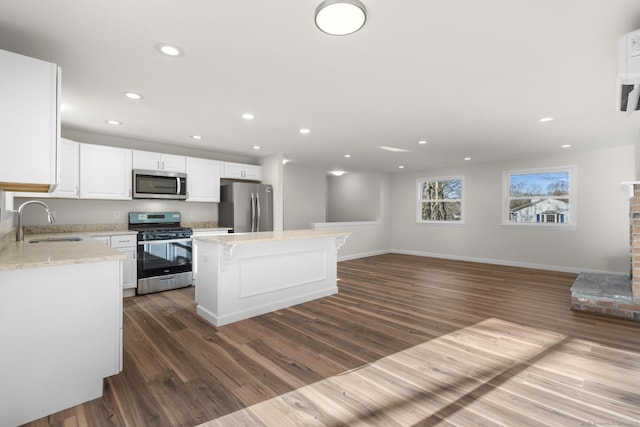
164	251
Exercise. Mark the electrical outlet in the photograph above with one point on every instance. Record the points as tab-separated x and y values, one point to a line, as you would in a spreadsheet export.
116	214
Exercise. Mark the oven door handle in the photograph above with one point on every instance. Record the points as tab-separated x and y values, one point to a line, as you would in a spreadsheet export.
163	242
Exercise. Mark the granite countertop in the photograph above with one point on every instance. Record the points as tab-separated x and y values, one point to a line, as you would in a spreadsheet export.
22	255
271	236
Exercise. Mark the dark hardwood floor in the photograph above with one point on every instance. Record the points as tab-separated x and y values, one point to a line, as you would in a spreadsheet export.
406	341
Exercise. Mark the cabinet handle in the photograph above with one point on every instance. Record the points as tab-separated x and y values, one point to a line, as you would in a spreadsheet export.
163	165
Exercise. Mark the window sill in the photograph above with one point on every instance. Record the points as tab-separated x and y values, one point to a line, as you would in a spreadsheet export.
537	226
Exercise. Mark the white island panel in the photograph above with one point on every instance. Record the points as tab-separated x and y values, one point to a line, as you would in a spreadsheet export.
242	277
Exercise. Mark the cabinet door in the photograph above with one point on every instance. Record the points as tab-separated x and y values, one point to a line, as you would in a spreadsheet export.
253	172
129	268
233	170
30	122
105	172
203	180
146	160
172	163
68	169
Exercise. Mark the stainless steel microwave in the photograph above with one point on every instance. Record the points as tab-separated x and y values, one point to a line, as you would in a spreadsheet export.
148	184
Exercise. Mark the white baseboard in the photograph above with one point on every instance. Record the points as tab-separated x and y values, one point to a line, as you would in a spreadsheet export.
363	255
479	260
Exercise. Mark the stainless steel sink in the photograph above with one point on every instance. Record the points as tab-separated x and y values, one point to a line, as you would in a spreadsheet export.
56	239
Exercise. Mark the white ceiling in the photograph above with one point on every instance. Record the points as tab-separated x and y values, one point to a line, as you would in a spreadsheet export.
470	77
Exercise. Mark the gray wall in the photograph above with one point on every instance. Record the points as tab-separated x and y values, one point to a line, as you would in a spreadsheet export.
75	211
353	197
600	242
305	196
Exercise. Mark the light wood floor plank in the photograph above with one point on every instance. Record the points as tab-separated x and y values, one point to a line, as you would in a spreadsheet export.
407	341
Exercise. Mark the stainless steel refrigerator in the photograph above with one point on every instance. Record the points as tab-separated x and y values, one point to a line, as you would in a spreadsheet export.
246	207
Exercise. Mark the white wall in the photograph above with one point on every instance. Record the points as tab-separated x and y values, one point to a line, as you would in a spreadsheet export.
305	196
353	197
600	242
75	211
367	237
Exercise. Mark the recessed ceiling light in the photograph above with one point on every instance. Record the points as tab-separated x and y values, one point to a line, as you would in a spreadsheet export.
546	119
196	136
133	95
114	122
566	146
337	173
305	131
256	147
467	158
401	167
347	156
248	116
169	50
422	142
395	150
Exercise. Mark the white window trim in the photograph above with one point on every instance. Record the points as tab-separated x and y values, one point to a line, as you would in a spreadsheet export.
573	198
419	181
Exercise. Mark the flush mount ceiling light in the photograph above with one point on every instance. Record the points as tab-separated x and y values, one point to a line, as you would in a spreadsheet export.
340	17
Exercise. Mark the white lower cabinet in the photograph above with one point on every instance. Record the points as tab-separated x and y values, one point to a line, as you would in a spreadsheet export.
128	245
61	329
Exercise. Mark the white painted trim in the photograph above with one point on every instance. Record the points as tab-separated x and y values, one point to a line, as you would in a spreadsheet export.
363	255
503	262
316	225
573	197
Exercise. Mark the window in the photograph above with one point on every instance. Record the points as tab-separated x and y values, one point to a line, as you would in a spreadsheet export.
440	200
544	197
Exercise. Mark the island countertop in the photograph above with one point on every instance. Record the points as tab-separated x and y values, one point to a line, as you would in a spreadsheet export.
271	236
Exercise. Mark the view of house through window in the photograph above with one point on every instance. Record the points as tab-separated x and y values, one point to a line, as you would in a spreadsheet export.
440	199
540	196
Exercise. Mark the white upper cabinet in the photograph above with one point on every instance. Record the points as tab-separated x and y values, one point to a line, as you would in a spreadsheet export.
203	180
68	170
242	171
105	172
29	122
158	161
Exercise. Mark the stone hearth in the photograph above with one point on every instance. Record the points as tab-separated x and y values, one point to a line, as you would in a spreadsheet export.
608	294
615	295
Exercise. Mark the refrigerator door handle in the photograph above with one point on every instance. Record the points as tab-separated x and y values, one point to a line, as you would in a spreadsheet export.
253	212
258	211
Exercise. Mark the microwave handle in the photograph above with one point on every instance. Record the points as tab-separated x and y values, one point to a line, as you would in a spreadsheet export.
179	184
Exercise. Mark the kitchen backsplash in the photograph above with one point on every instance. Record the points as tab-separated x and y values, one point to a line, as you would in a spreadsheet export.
112	212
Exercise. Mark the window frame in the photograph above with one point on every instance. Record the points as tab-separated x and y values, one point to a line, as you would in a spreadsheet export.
419	199
572	170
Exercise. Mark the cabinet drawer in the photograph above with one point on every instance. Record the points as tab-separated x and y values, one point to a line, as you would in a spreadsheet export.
123	241
102	239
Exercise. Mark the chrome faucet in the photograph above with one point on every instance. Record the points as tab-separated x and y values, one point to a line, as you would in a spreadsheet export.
50	217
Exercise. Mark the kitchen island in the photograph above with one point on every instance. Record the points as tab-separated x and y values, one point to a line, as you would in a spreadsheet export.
245	275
